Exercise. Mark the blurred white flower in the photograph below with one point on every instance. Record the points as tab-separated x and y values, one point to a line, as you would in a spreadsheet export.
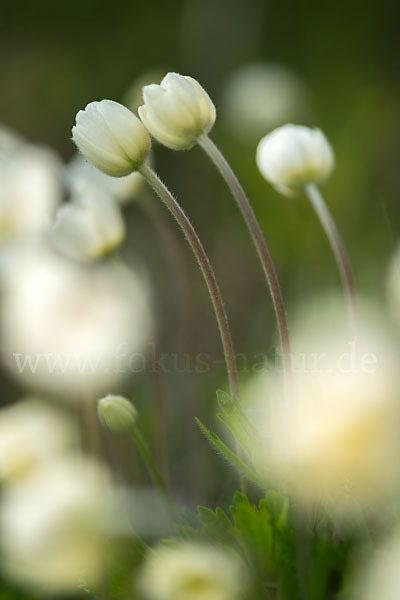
192	572
177	111
293	156
32	433
68	328
52	526
30	188
111	137
335	439
90	225
260	96
10	141
116	413
122	189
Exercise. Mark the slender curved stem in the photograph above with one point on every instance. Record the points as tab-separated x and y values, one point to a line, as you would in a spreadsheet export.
335	240
210	279
206	269
149	462
152	470
259	241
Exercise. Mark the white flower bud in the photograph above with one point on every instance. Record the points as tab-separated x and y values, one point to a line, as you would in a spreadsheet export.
111	137
293	156
89	226
177	111
116	413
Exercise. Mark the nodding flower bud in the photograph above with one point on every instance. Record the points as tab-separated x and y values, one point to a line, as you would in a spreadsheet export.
177	111
116	413
111	137
293	156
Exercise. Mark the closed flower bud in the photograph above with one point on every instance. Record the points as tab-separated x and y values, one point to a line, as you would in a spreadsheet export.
116	413
111	137
293	156
177	111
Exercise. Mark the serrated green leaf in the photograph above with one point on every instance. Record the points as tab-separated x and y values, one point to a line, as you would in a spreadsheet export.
229	455
238	499
277	505
254	526
236	420
215	525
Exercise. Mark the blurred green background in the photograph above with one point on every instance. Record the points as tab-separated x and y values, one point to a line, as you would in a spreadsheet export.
55	57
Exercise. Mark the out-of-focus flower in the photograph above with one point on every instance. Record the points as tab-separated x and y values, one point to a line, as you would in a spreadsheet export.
10	141
52	526
376	574
260	96
30	187
90	225
192	572
122	189
67	328
293	156
116	413
32	433
177	111
335	438
111	137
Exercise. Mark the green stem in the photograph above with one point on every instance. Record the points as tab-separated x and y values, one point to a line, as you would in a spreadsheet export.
259	241
206	269
148	460
335	240
88	405
210	279
152	470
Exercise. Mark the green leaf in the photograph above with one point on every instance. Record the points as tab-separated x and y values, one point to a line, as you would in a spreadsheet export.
253	528
215	525
278	506
234	417
229	455
125	558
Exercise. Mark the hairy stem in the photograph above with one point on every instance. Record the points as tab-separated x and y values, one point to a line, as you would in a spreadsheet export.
259	241
209	277
206	269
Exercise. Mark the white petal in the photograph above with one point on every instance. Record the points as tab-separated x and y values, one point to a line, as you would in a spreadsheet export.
126	128
157	128
112	164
